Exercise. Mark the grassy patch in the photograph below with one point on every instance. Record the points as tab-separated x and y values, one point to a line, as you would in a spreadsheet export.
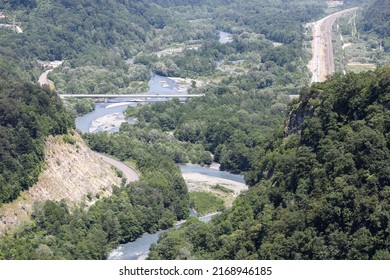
132	164
68	139
222	189
357	68
205	203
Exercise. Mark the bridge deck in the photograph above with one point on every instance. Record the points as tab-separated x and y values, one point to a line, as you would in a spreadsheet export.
130	95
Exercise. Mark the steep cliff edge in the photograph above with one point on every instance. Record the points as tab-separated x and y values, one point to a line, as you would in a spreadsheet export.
72	173
294	120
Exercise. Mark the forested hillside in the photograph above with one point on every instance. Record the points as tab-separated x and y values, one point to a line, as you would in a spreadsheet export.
65	29
377	19
99	33
58	231
28	114
84	32
319	191
94	39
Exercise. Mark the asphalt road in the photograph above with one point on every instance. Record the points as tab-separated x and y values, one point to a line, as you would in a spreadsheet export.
322	63
129	173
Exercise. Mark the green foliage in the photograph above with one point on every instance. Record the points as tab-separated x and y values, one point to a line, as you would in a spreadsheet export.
155	160
68	139
222	189
377	18
28	114
93	38
206	203
320	191
145	206
231	126
57	233
79	107
108	79
19	3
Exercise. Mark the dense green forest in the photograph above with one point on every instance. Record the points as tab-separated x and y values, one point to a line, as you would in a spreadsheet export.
376	19
320	190
89	34
230	125
67	29
28	114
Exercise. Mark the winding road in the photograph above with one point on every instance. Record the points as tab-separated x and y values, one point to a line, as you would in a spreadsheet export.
43	80
129	173
322	63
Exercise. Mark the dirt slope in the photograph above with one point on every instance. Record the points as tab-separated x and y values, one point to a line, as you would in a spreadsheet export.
72	172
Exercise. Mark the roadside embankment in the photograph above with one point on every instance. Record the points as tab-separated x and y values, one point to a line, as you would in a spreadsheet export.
72	172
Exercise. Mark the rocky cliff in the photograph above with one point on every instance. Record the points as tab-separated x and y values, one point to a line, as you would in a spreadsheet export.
72	173
294	120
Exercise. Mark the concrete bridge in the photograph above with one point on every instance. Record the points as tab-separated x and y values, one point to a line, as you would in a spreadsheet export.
131	97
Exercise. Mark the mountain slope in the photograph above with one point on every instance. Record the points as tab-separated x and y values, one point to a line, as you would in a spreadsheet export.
28	114
72	173
377	18
60	29
321	189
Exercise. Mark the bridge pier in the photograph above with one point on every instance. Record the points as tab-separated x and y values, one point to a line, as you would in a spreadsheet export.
105	100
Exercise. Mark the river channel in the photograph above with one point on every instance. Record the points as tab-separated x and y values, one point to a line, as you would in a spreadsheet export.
108	116
139	248
112	111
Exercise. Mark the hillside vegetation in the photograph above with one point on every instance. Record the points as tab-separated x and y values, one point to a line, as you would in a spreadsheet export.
28	114
319	191
377	20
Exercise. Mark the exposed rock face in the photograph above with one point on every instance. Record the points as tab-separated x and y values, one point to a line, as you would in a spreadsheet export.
293	124
72	172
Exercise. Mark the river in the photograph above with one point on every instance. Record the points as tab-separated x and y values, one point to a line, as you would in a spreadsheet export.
113	116
109	116
139	249
212	172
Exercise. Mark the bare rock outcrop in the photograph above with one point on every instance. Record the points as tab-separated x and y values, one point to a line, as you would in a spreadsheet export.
72	173
294	120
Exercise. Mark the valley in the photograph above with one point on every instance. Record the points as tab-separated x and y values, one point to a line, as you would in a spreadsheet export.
182	88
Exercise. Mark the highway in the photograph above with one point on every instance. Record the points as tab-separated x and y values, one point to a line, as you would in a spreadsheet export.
322	63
